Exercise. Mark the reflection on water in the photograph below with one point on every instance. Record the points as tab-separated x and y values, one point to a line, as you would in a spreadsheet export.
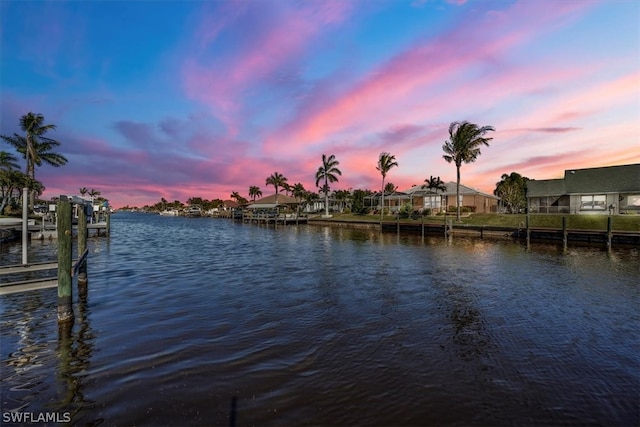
210	322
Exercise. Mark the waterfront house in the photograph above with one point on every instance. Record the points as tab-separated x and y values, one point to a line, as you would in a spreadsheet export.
228	205
607	190
422	199
272	205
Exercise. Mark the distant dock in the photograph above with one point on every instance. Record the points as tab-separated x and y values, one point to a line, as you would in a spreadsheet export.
272	217
11	228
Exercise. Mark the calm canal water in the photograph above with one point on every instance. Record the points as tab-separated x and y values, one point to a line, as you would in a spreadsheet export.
210	322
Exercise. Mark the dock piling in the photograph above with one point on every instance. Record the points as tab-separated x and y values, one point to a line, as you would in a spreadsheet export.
25	225
565	234
528	231
609	233
82	247
63	223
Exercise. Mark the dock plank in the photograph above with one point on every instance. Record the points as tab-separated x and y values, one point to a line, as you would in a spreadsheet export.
27	268
28	285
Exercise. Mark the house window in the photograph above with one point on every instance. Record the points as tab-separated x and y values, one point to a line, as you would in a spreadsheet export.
596	202
630	201
432	202
559	204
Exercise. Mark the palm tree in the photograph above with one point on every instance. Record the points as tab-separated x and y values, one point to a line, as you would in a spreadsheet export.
343	197
8	161
238	198
10	178
83	191
385	162
93	193
254	192
328	173
434	183
463	146
277	180
298	191
390	188
11	181
310	198
34	146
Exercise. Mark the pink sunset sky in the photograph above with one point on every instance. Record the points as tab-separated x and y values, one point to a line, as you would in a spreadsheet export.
180	99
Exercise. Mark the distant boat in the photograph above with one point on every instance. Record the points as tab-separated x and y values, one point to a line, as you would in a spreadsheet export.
169	212
193	211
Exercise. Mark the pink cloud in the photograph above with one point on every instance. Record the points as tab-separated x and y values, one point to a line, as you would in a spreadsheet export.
386	93
223	81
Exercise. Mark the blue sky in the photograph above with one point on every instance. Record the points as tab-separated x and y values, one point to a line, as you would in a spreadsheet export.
179	99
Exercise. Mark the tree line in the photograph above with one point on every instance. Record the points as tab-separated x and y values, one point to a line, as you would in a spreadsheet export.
462	147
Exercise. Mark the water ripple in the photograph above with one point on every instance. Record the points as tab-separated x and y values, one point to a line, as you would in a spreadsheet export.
201	321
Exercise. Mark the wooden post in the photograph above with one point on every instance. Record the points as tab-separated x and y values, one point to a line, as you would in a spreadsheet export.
609	233
422	226
398	223
63	224
25	225
82	246
528	230
565	234
108	214
445	223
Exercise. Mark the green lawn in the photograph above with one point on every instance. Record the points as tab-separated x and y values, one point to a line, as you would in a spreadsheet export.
576	222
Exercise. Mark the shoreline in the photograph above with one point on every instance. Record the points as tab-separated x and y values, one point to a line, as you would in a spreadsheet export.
536	234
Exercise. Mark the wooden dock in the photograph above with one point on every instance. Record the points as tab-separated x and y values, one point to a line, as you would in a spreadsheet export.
28	284
272	217
11	232
535	233
26	276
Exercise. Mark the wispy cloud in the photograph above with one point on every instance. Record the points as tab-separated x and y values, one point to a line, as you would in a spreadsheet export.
229	92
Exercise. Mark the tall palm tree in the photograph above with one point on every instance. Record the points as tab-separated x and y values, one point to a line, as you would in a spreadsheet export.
385	162
83	191
463	146
327	172
34	146
254	191
434	184
277	180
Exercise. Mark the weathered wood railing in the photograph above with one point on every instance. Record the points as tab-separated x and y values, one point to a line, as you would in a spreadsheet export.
67	269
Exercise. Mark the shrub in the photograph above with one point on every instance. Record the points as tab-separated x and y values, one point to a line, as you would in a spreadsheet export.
405	210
